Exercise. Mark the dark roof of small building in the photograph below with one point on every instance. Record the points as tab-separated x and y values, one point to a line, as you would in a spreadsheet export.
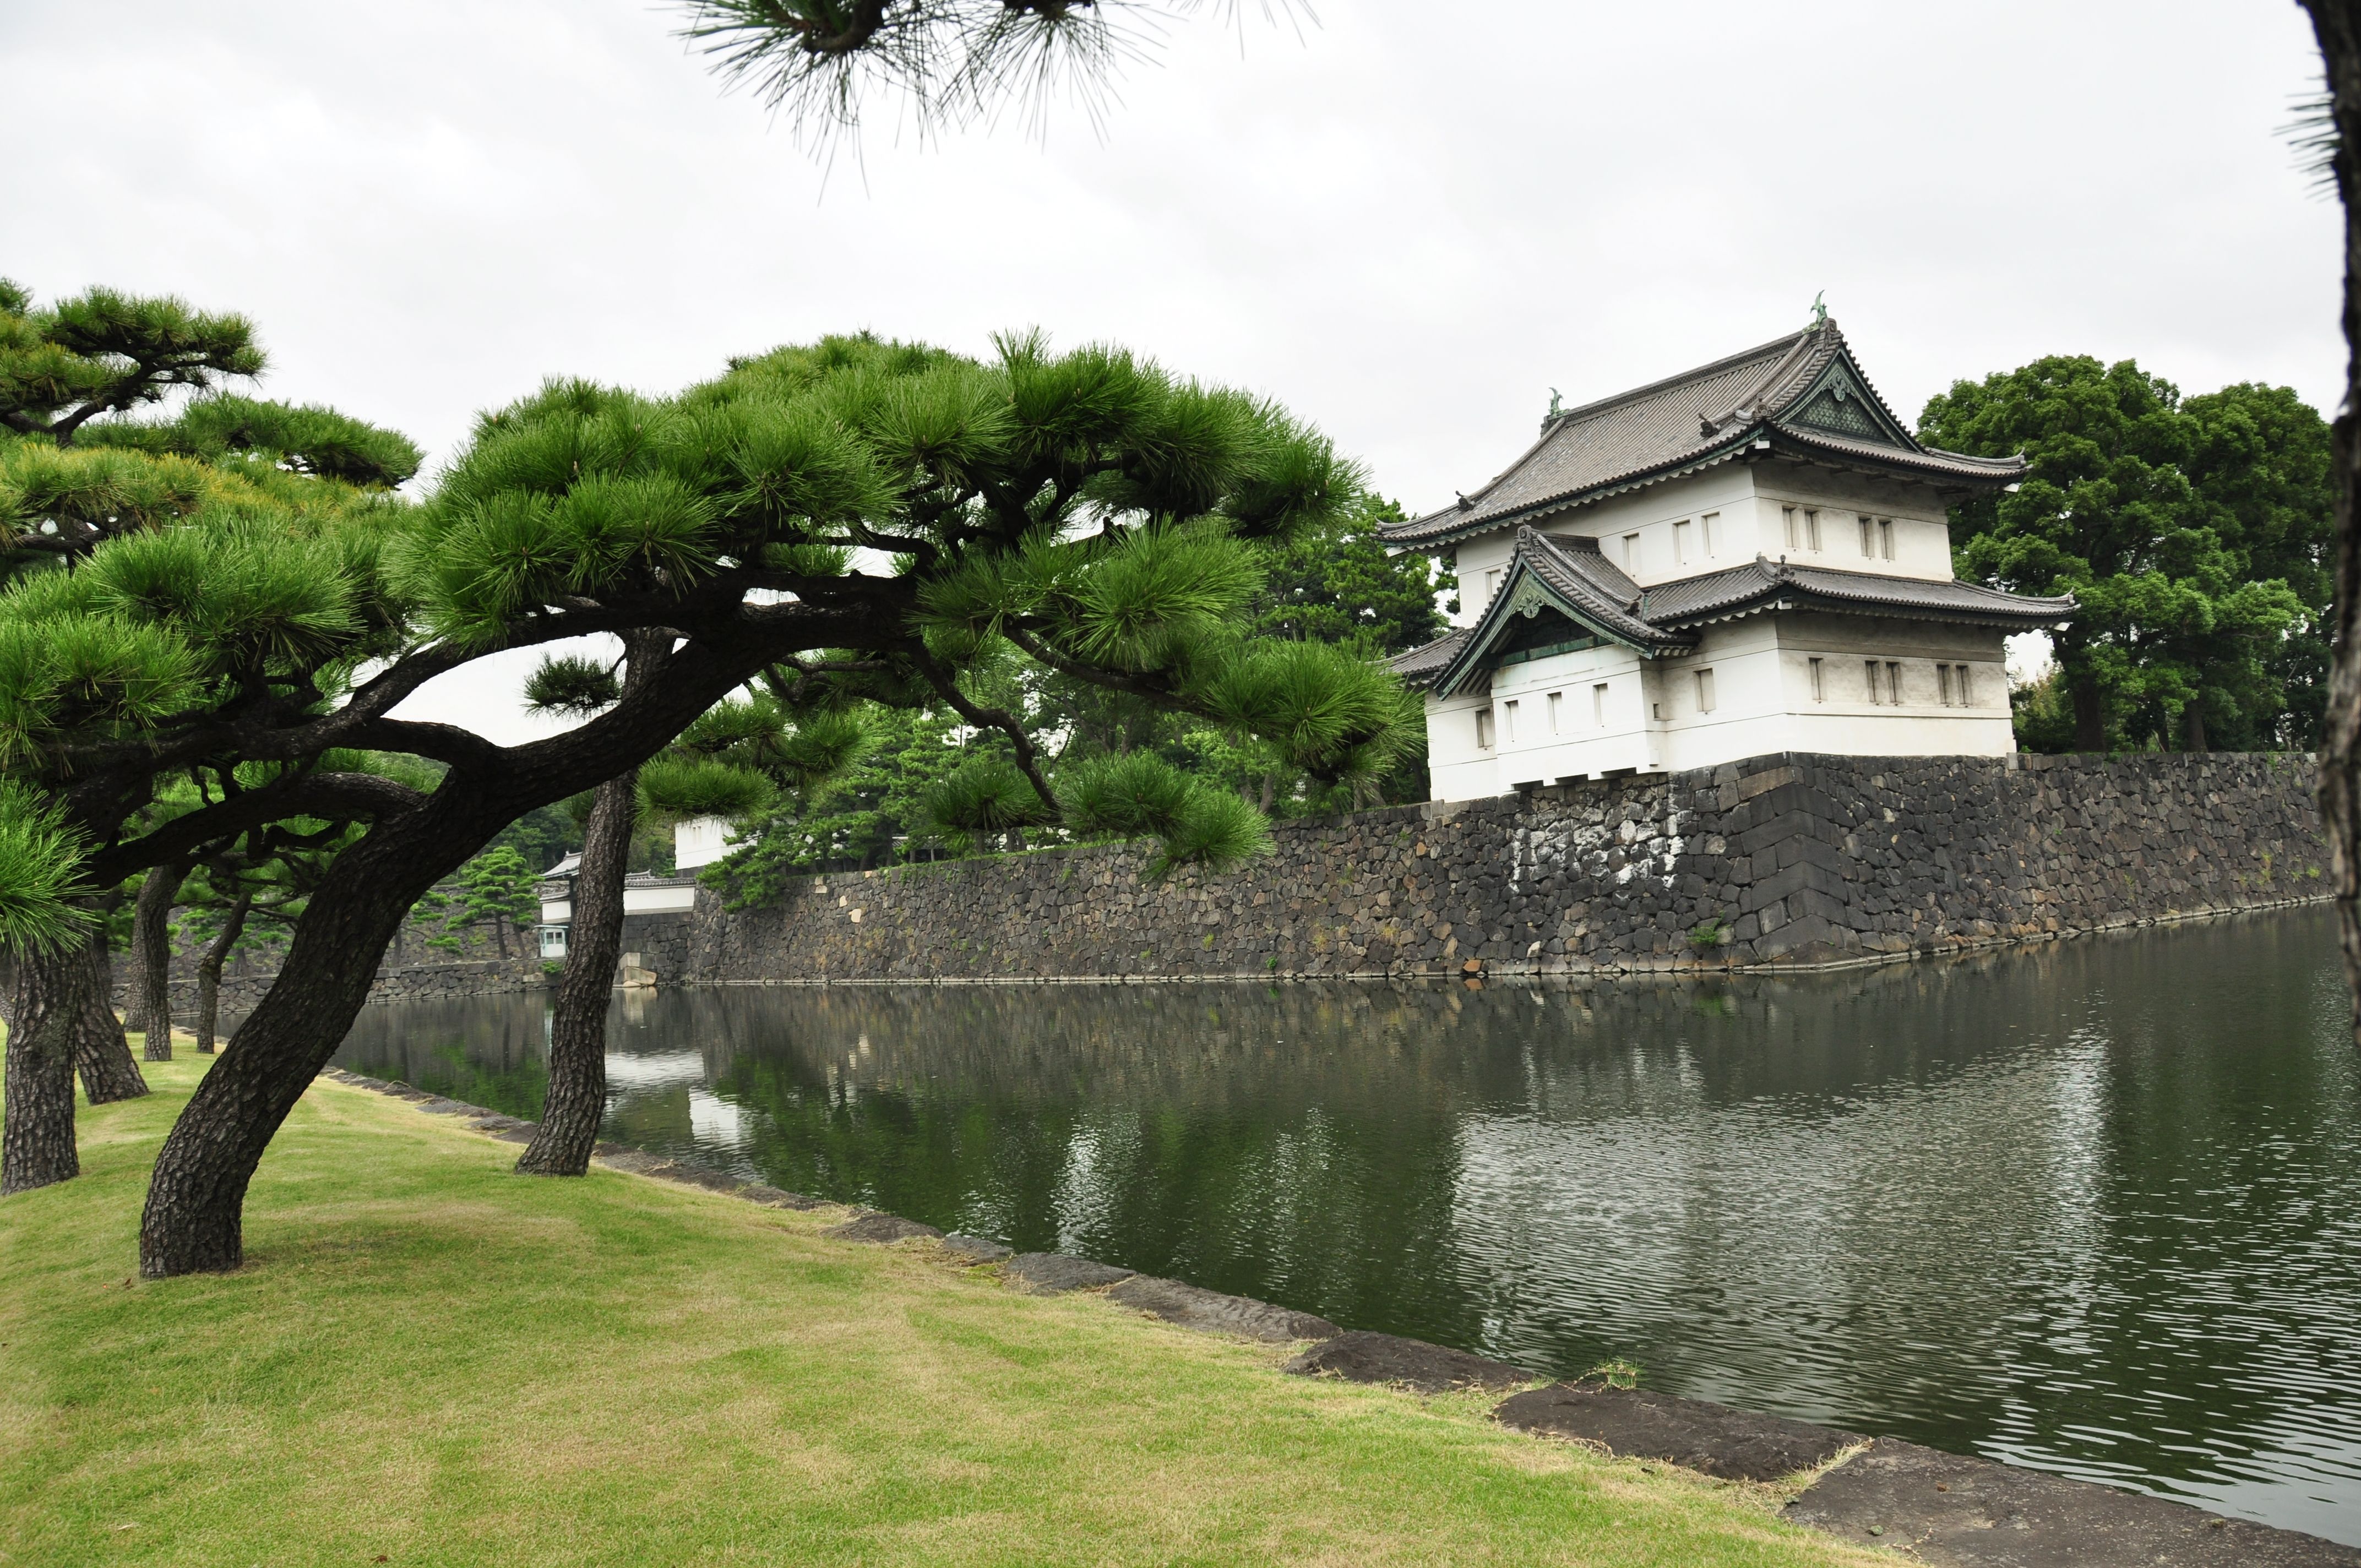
1570	578
1803	394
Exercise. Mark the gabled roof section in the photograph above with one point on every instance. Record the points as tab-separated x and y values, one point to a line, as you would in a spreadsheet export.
1566	576
1803	393
1691	602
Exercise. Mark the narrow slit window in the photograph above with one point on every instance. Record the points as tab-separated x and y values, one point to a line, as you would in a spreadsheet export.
1709	526
1492	585
1872	667
1705	691
1894	683
1819	682
1812	530
1656	710
1943	684
1681	542
1960	679
1557	713
1509	721
1484	727
1885	537
1599	705
1868	543
1794	538
1631	551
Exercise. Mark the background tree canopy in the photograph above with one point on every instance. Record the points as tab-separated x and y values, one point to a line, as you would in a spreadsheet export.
2195	533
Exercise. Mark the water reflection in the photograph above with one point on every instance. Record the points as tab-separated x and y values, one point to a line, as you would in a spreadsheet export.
2090	1207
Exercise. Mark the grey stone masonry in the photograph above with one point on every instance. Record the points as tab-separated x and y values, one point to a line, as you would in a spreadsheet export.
1783	860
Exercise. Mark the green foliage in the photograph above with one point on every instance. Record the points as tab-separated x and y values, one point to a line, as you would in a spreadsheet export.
1335	582
496	885
104	351
309	439
696	786
1129	795
1216	831
39	874
573	686
2191	533
984	794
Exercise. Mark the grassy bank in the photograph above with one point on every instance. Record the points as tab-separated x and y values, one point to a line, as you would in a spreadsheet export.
429	1361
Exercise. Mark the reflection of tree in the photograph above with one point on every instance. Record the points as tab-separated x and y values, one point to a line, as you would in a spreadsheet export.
486	1050
2103	1186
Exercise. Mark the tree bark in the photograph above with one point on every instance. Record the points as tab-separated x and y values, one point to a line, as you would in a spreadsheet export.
209	970
2337	25
101	1053
577	1101
2193	722
151	948
46	1004
2090	715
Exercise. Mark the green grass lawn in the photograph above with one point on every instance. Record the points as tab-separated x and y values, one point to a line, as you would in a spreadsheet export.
428	1360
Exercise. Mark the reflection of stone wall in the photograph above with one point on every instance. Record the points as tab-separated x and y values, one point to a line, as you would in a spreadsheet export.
1796	858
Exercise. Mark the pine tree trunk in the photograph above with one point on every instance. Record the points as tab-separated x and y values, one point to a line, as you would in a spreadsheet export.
209	972
576	1102
195	1199
2193	723
101	1053
46	1004
2337	24
151	948
2090	715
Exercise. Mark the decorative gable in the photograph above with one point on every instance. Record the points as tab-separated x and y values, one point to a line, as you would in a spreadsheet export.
1839	404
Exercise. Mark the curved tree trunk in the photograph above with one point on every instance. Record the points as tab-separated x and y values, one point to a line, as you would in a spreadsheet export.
151	948
195	1200
101	1054
2337	24
209	970
46	1004
577	1033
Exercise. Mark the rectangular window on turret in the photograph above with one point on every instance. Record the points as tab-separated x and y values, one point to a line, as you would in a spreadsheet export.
1885	537
1872	667
1557	713
1681	542
1492	585
1959	680
1484	727
1705	691
1631	551
1812	530
1794	538
1894	683
1819	682
1599	705
1508	722
1868	539
1708	526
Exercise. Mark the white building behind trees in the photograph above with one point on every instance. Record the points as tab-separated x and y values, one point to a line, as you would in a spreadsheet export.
1748	558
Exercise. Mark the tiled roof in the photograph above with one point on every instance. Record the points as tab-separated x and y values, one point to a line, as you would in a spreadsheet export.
1571	578
1702	416
1693	601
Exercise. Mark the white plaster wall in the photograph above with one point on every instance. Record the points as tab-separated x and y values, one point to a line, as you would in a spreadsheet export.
1763	704
1749	501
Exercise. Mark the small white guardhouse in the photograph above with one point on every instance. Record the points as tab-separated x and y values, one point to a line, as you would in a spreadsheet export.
1748	558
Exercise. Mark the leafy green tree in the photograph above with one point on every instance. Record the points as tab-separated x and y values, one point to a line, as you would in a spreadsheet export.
1087	507
1338	583
2170	619
496	886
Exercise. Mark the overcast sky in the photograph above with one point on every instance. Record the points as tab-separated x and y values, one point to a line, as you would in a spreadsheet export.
1404	225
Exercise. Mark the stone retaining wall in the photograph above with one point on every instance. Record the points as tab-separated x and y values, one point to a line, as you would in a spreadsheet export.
1783	860
1787	860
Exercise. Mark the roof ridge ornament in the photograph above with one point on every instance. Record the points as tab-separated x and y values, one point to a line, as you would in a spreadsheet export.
1819	310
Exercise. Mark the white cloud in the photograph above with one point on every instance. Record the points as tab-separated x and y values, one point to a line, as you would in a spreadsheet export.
1409	228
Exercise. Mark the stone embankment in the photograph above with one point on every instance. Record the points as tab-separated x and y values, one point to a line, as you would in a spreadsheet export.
1944	1508
1786	860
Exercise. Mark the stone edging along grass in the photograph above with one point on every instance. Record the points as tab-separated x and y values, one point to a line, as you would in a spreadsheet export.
1939	1508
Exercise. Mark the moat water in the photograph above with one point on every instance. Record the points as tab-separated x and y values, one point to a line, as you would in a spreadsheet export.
2094	1207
